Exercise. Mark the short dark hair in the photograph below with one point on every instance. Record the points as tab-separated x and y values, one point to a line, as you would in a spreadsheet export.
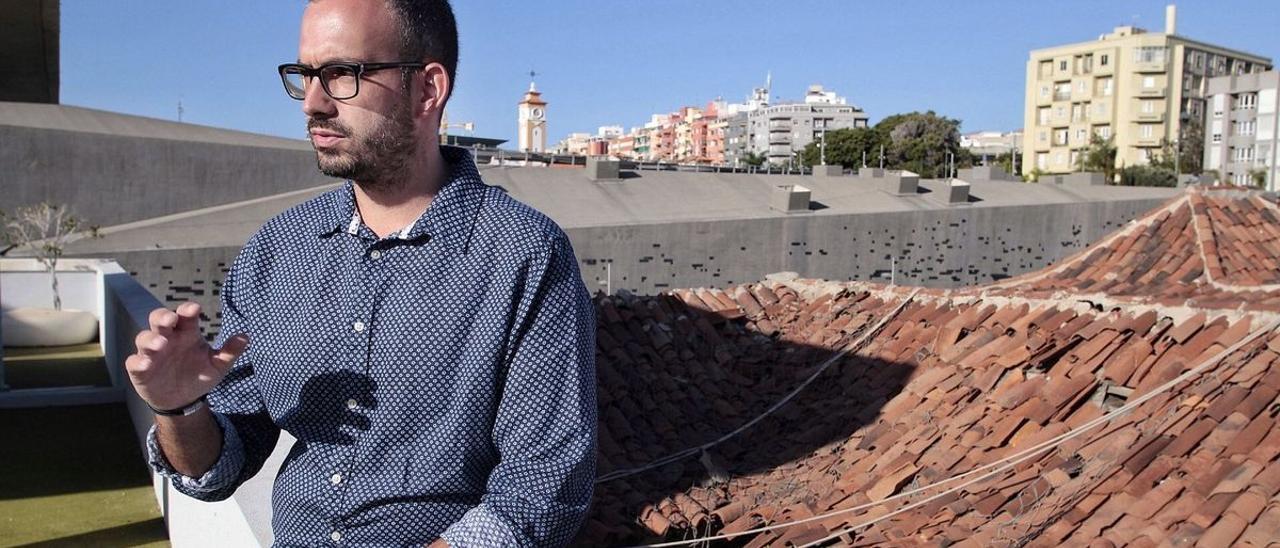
428	31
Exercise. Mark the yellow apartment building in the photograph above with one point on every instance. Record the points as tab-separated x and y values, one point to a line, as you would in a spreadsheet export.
1141	88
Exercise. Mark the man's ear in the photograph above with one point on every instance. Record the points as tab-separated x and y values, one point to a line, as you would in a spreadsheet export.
436	88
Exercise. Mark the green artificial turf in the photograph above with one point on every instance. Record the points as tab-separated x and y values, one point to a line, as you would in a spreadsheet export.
75	476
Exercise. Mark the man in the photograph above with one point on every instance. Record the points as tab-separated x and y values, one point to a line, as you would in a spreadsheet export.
426	338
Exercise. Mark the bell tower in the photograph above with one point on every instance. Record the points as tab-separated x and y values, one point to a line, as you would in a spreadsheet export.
532	125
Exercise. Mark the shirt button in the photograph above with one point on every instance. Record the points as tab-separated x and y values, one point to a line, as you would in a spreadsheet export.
335	479
375	254
358	326
352	404
335	536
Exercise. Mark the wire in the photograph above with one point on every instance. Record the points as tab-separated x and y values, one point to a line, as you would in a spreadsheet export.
995	467
617	474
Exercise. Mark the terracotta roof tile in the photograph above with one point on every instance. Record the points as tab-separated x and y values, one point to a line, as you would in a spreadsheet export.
955	380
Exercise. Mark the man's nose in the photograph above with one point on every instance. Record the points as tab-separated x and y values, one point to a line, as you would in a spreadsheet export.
316	103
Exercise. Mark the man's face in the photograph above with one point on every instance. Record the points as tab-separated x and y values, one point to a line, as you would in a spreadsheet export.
369	137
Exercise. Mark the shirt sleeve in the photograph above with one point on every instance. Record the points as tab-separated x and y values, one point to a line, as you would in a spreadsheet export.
545	428
249	435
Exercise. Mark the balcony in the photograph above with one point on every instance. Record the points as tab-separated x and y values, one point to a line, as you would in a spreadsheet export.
1151	92
1150	116
1151	65
78	478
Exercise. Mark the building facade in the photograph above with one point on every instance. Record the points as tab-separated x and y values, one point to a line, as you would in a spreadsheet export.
1242	135
1142	89
780	132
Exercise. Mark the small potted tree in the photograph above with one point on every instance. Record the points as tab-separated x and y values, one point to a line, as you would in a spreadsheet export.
42	231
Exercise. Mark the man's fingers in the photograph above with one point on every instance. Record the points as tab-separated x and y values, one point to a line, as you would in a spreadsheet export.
189	316
225	357
136	363
163	321
150	342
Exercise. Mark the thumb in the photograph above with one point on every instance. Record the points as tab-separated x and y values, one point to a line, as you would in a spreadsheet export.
225	357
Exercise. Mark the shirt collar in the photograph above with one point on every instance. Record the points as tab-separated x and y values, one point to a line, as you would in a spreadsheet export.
450	219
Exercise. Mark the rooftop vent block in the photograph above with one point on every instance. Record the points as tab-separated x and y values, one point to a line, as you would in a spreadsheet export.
870	173
603	168
828	171
957	192
900	183
1083	179
790	198
986	173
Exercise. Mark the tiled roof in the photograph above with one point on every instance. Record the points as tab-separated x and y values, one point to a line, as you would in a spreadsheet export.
1204	249
958	383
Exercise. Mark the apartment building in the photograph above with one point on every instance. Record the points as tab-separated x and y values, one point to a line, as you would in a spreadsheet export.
1242	136
781	131
1143	89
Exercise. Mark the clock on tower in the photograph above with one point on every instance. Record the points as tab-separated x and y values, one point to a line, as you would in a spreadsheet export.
532	126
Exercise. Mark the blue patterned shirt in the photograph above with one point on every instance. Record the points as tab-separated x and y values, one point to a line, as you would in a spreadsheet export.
440	381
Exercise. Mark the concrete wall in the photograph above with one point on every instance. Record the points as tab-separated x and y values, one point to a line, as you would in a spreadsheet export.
112	179
951	247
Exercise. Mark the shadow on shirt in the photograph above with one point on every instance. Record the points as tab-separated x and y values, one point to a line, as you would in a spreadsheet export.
332	408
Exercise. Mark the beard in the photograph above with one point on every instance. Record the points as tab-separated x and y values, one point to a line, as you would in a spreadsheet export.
373	158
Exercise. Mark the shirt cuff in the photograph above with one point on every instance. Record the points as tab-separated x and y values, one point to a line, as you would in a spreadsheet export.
480	527
223	473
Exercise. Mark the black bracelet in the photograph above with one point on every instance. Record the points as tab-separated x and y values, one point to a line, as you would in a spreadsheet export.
183	411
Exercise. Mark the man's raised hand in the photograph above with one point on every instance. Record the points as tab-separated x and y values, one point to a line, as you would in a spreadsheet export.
174	365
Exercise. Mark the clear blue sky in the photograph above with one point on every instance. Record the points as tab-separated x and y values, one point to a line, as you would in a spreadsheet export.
605	63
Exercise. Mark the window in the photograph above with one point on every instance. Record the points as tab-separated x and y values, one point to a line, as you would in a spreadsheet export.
1060	137
1246	127
1082	86
1103	132
1062	92
1148	107
1062	65
1243	154
1104	87
1077	112
1059	112
1042	160
1145	131
1148	82
1104	60
1082	135
1246	101
1149	54
1044	91
1043	115
1217	137
1075	157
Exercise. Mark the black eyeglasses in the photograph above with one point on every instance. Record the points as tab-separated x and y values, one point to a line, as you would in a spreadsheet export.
340	80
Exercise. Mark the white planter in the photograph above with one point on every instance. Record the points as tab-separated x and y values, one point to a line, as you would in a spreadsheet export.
47	327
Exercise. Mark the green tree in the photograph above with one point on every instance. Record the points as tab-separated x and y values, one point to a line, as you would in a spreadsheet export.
920	142
1148	175
845	147
1100	157
1191	147
1259	177
754	160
